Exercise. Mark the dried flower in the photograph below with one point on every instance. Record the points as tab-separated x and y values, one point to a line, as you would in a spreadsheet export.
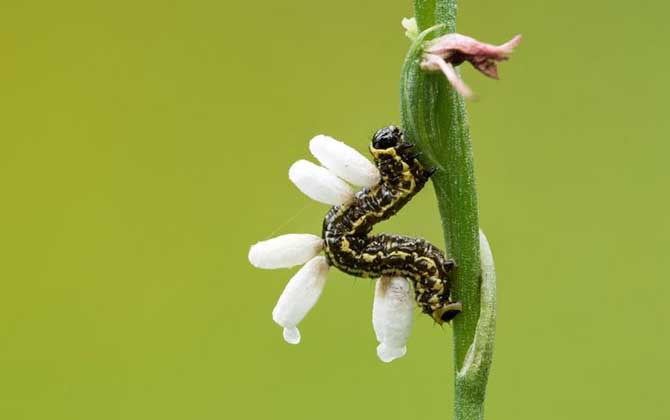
446	52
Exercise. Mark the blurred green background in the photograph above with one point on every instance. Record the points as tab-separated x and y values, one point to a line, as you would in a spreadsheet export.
145	146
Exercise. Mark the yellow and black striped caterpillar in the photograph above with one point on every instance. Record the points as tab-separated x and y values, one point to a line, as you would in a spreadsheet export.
350	247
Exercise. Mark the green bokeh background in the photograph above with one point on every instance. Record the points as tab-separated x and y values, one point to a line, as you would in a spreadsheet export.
145	145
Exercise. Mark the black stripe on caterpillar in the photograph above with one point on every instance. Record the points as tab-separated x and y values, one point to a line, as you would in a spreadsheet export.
350	247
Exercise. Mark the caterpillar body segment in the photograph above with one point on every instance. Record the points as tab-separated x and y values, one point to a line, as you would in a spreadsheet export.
350	247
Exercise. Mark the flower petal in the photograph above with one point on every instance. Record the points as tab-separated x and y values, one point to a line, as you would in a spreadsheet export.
344	161
431	61
392	316
300	295
456	48
285	251
319	183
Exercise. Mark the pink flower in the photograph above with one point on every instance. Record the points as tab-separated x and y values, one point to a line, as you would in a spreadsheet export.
448	51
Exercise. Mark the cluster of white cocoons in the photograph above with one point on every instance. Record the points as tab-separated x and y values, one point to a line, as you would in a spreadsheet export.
342	165
392	316
331	183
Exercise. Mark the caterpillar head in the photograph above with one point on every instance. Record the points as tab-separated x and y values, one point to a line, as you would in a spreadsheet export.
388	144
394	155
387	137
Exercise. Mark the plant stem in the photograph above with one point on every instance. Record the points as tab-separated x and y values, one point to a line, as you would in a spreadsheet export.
433	116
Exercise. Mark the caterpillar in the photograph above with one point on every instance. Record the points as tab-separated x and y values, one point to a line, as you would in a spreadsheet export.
350	247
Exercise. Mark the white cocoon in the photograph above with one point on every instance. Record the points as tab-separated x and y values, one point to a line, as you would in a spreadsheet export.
392	316
285	250
319	183
300	295
344	161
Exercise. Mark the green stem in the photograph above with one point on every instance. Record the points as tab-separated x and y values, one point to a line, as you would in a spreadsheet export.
434	117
